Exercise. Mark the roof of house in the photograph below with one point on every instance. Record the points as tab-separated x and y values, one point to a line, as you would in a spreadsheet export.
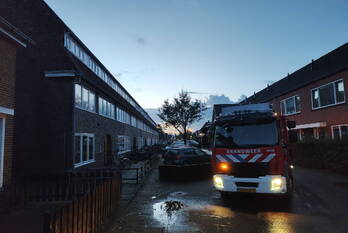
329	64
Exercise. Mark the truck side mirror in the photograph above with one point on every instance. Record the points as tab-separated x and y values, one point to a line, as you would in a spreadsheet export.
292	136
291	124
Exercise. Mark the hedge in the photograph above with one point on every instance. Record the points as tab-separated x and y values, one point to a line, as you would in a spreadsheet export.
322	154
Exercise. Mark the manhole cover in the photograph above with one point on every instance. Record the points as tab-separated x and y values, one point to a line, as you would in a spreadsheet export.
179	193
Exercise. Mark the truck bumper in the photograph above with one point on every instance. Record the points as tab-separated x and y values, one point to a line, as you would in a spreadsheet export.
270	184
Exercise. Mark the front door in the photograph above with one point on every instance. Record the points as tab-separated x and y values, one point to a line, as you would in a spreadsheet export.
2	142
108	151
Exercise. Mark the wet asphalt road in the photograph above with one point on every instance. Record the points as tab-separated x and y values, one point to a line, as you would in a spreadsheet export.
194	206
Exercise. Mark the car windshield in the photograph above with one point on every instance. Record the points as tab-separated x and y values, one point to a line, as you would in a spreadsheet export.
254	135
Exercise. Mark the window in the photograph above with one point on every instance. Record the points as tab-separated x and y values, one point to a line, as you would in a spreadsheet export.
78	95
124	144
84	98
328	95
123	116
106	108
133	121
290	105
91	99
84	149
252	135
340	131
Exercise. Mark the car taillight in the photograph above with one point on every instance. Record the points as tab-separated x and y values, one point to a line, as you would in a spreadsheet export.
224	167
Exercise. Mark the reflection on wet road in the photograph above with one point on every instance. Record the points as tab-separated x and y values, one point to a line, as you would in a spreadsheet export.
196	207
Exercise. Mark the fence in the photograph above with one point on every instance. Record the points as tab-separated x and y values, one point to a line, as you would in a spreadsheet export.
141	171
76	202
59	188
88	213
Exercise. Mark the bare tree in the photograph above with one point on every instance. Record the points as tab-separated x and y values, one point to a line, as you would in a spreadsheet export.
181	112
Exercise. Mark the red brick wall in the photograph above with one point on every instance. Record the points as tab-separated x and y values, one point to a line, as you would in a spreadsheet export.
7	73
333	115
7	99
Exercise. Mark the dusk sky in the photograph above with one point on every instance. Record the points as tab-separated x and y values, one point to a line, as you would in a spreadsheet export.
213	47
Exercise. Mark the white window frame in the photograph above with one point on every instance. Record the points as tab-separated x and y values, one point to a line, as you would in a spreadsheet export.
88	161
335	96
339	128
2	150
284	102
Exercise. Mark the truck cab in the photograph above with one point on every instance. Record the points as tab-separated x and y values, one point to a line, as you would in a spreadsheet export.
251	151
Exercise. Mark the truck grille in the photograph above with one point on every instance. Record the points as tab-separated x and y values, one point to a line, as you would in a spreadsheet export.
251	170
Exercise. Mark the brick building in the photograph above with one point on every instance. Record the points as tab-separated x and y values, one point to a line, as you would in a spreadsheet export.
314	96
71	112
10	40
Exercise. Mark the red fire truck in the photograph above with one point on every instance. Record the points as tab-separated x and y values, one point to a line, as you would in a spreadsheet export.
251	151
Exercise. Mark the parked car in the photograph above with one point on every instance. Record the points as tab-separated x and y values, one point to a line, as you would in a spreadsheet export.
185	163
193	143
185	156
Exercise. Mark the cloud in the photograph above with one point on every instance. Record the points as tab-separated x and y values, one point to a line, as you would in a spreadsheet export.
218	99
141	40
241	98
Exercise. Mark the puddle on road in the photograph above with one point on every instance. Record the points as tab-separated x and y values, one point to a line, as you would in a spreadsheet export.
280	222
170	214
180	215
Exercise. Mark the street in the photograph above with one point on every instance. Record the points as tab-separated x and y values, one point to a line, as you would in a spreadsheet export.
318	205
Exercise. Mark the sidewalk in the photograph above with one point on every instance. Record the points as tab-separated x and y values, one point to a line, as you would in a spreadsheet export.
328	191
129	192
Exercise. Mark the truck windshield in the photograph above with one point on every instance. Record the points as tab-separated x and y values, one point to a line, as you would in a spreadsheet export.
254	135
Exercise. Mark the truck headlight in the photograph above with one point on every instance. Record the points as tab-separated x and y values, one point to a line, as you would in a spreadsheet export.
276	184
218	182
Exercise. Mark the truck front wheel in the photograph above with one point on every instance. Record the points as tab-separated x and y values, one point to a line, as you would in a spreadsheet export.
224	195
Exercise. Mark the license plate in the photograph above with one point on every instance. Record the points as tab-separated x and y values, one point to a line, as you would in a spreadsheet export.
245	190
